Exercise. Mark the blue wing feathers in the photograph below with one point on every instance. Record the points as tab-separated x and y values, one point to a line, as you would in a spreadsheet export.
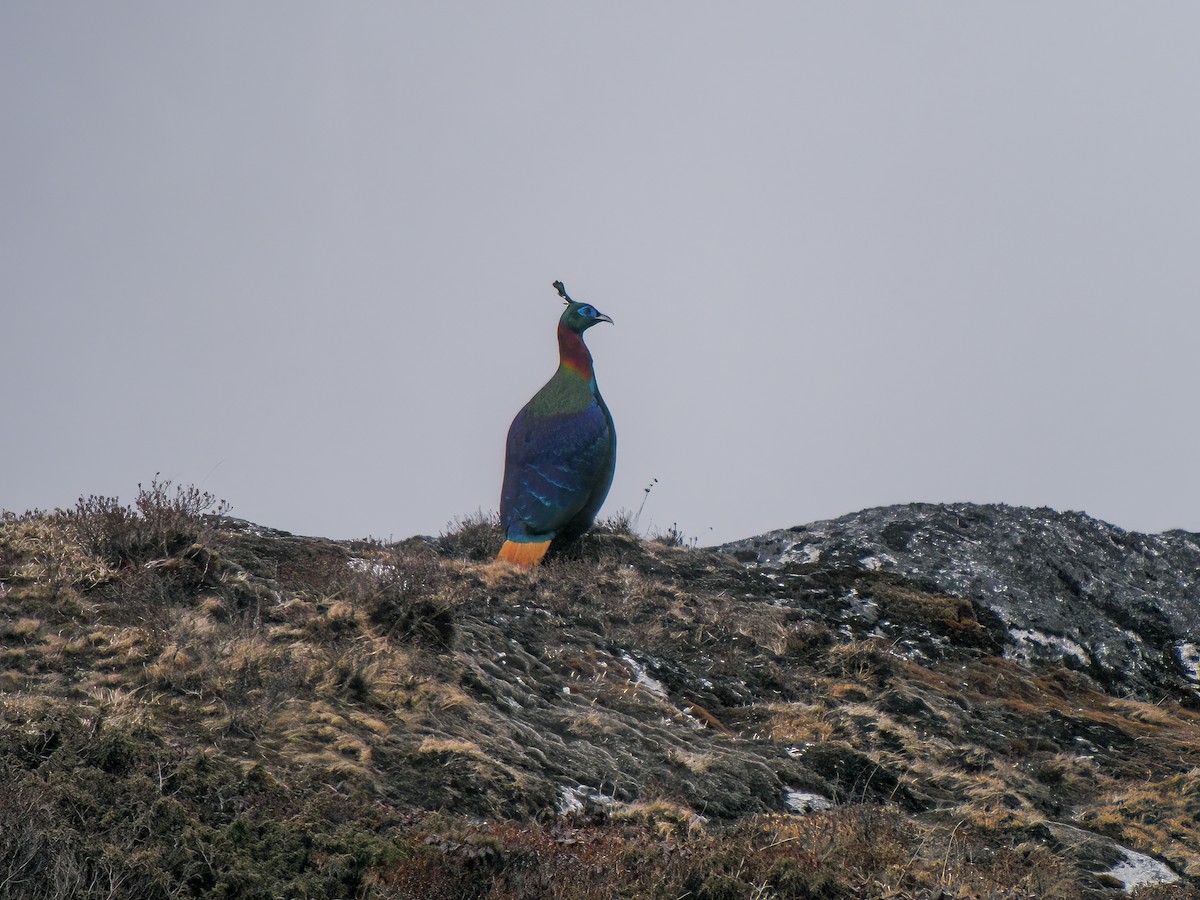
554	468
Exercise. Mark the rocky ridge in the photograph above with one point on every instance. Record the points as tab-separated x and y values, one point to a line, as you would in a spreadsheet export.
1121	606
195	706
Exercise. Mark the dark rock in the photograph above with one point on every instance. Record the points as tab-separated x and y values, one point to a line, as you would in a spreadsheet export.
1065	587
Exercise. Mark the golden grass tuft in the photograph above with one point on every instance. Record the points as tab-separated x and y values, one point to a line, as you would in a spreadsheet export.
22	629
799	723
870	658
667	818
591	723
697	763
50	553
450	745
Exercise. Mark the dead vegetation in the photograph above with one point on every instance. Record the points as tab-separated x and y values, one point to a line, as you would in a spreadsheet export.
196	707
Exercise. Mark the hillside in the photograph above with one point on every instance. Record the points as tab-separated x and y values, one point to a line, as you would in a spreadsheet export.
898	704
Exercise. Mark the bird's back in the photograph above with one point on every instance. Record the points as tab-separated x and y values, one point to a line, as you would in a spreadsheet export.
561	454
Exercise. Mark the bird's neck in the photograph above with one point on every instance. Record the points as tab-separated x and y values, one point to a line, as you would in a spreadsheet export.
573	353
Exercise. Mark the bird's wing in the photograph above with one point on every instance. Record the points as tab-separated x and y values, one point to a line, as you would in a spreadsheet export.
552	466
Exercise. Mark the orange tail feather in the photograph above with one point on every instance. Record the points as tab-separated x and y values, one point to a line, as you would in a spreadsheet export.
526	556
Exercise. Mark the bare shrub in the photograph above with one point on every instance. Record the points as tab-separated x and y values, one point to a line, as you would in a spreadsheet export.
621	522
477	537
160	522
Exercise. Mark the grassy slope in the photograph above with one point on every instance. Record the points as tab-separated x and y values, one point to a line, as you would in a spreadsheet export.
193	707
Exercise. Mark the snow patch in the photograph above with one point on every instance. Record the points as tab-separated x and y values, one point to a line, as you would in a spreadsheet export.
370	566
571	799
568	801
801	802
806	555
1030	640
642	677
1189	658
863	607
1137	869
783	552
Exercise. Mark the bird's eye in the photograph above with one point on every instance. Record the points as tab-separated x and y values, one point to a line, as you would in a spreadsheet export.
588	312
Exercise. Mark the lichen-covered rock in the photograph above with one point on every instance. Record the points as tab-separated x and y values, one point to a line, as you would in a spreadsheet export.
1123	607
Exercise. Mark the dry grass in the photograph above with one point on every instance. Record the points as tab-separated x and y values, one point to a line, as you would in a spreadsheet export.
1158	814
300	708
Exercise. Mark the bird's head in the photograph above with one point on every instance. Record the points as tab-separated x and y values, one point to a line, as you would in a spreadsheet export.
579	317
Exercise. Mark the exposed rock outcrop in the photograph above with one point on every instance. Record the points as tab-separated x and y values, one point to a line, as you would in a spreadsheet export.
1121	606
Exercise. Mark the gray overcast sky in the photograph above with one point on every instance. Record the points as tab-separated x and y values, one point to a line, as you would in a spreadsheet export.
300	254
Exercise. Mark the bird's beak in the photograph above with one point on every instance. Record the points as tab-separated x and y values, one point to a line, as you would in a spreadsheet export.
603	318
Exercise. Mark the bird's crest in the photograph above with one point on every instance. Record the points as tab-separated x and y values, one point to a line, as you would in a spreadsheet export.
562	292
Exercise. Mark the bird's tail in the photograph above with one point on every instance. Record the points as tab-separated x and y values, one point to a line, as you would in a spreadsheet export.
523	555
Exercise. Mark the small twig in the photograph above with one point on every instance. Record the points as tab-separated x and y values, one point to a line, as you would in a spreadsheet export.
781	842
645	497
950	848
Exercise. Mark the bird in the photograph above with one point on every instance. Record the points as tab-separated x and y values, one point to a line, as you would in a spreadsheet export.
561	450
